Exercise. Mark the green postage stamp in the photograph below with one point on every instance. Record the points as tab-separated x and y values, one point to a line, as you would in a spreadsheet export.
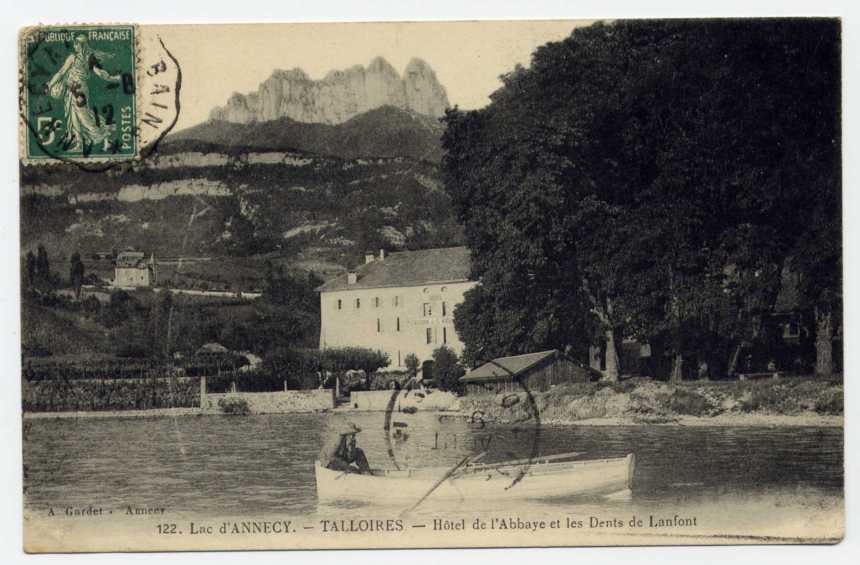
79	92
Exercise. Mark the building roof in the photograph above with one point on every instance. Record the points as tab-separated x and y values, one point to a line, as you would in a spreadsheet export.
131	259
408	268
507	367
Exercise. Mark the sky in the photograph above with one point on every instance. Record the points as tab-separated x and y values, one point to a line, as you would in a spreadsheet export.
468	57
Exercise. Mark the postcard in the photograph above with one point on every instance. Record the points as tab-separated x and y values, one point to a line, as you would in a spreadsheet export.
431	284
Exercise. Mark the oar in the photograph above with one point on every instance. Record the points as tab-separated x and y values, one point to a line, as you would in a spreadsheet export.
530	461
444	478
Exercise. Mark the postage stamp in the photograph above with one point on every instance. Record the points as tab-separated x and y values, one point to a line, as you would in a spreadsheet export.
95	96
80	92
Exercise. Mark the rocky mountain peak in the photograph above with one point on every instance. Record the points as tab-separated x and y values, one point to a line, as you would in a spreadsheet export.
381	65
292	74
417	64
341	95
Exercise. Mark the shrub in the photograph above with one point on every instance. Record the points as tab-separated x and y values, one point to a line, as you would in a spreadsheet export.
360	358
234	406
411	362
447	370
619	386
687	402
92	306
342	359
831	401
770	398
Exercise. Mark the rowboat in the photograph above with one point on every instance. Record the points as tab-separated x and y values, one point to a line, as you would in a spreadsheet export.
553	476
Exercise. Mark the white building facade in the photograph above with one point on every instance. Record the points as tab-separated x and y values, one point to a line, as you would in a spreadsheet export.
400	304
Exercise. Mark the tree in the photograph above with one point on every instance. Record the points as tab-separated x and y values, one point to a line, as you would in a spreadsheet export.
92	306
411	362
741	121
644	178
447	370
76	273
298	367
287	315
160	329
30	281
119	309
817	261
42	268
358	358
513	215
130	339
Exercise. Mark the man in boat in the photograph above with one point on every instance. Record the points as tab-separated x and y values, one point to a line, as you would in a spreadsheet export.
341	454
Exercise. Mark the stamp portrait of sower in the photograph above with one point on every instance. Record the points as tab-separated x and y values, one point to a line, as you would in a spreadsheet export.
71	84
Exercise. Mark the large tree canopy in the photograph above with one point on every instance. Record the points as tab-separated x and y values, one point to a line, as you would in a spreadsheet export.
653	178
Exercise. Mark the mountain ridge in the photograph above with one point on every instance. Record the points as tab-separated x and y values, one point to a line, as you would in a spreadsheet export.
339	96
385	132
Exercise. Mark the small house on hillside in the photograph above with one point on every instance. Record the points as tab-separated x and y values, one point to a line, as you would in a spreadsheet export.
133	269
532	371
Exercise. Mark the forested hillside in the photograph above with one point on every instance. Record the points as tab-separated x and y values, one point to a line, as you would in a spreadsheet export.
200	197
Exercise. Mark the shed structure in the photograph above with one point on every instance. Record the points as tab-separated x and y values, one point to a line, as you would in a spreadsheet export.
532	371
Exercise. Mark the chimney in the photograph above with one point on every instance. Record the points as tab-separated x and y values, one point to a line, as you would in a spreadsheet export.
382	254
368	258
352	277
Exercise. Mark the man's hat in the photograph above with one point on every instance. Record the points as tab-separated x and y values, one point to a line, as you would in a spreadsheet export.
349	429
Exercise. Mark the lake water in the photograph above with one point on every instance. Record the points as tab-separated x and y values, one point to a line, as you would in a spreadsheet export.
737	480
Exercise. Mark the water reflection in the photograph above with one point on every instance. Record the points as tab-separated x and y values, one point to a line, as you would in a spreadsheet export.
260	465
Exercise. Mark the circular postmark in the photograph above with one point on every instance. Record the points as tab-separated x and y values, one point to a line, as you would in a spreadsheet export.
95	96
510	431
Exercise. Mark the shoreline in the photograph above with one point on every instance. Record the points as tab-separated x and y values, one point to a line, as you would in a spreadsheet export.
726	420
722	420
87	414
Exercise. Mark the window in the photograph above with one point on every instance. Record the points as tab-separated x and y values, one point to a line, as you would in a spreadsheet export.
428	310
376	302
444	335
378	325
444	310
398	326
339	304
357	303
396	301
399	363
429	335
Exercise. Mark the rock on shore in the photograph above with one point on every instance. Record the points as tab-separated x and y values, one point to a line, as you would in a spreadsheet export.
643	401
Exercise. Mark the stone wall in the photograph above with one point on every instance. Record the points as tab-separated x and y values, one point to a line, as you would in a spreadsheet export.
275	402
377	400
62	395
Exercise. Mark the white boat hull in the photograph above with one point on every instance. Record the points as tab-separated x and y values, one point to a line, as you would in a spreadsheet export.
547	480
